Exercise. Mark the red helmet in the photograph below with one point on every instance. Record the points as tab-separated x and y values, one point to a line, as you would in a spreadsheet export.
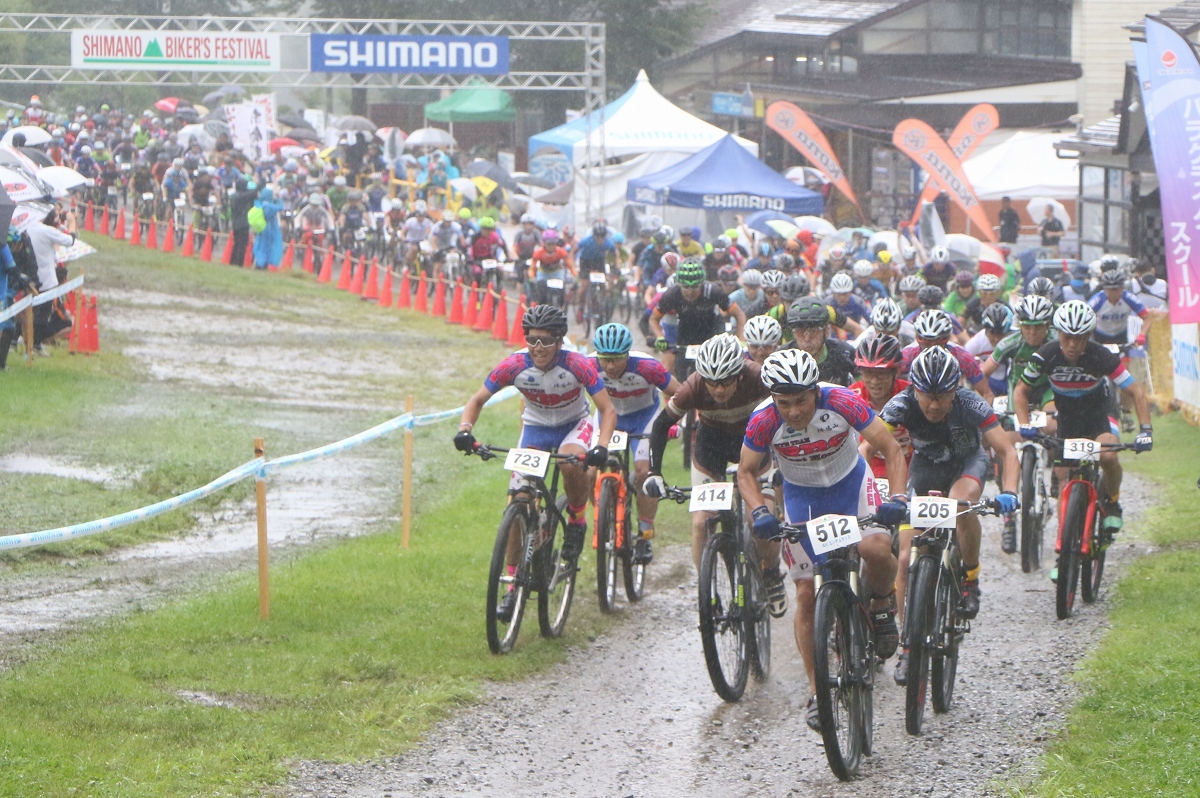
881	352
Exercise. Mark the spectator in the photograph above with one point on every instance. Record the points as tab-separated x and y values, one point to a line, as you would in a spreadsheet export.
239	205
1010	222
1051	231
49	320
268	245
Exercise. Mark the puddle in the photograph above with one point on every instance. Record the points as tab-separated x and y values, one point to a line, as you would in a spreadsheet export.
32	464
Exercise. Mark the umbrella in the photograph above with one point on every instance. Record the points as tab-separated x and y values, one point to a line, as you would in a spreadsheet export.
303	134
293	152
815	225
228	90
168	105
429	137
18	186
37	156
889	238
355	123
33	136
292	119
758	221
217	114
526	179
466	187
15	159
806	176
25	214
494	172
187	113
215	127
201	109
782	228
1037	211
61	178
485	184
201	134
275	145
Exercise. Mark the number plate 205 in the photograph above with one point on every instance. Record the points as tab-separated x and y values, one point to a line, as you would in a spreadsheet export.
711	497
530	462
929	512
618	441
831	532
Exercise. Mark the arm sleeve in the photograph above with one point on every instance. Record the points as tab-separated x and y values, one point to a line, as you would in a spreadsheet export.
850	406
505	373
653	372
586	373
1135	305
761	428
1034	369
658	439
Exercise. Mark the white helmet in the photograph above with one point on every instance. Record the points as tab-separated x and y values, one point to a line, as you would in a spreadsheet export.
988	282
773	279
841	283
752	278
886	316
762	331
419	207
939	255
790	371
912	282
1075	318
85	150
907	252
720	358
837	252
863	268
933	325
340	180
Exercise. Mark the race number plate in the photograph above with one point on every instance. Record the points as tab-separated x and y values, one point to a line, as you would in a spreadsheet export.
1037	419
180	202
508	267
928	512
711	497
112	191
555	283
490	265
1114	348
884	487
596	277
530	462
618	441
1080	448
148	196
360	235
1000	404
125	167
831	532
693	351
319	231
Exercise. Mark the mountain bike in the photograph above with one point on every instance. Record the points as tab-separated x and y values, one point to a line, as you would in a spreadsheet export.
615	530
933	629
1082	542
735	625
844	641
528	532
1036	487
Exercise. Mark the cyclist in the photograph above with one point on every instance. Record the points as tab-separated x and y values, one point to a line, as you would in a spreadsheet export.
835	262
550	261
939	270
555	384
811	432
649	260
687	245
592	255
989	288
487	244
750	297
353	216
763	336
842	299
887	319
963	292
695	302
866	287
526	240
1075	367
723	255
933	328
446	235
417	228
315	214
633	381
909	289
878	362
949	426
1113	306
998	322
809	321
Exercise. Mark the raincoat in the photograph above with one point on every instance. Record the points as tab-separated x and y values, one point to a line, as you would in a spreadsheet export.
268	245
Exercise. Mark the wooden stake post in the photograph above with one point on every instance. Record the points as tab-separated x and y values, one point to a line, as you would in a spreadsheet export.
260	496
27	334
407	487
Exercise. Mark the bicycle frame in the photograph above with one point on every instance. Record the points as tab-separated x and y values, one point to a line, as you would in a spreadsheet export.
620	478
1085	476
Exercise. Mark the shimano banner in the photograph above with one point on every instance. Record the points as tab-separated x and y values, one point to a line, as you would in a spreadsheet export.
425	55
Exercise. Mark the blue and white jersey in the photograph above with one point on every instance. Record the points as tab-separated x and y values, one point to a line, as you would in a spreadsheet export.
553	397
1112	320
636	390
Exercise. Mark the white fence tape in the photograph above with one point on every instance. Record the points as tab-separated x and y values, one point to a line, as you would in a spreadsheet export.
40	299
15	308
256	467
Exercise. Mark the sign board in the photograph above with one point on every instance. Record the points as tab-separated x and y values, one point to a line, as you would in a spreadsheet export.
1185	343
218	51
422	55
248	129
727	103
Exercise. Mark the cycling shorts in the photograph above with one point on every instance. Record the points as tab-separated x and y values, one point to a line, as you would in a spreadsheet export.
1089	423
638	423
556	274
713	451
580	433
925	475
855	494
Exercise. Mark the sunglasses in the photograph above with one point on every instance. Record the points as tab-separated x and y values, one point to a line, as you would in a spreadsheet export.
541	341
610	358
721	383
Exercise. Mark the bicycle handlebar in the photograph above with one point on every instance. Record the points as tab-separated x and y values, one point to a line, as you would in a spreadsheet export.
486	452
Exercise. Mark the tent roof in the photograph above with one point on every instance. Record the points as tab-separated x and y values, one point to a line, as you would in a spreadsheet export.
641	120
474	102
1022	164
724	176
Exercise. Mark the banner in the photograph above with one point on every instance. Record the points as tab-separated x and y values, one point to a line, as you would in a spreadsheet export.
1185	351
422	55
798	129
266	103
248	129
210	51
920	142
1169	73
973	128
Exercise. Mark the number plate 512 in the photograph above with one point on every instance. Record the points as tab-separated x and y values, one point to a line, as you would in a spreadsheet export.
927	512
711	497
831	532
527	461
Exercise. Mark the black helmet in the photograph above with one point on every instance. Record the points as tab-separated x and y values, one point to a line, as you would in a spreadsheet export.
793	288
807	313
931	296
935	371
545	317
1042	286
998	318
599	229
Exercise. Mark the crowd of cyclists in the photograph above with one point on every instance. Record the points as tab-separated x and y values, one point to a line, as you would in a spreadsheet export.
852	382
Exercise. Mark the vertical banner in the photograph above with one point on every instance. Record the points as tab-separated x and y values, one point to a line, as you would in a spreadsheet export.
1171	96
798	129
267	103
248	129
920	142
973	128
1185	351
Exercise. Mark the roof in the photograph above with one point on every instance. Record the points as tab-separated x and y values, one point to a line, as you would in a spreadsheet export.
1185	17
812	18
475	102
1102	137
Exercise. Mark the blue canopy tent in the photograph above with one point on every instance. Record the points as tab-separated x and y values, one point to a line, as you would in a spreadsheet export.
724	177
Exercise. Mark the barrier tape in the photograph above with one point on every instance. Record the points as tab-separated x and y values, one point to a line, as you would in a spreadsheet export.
258	467
16	307
55	293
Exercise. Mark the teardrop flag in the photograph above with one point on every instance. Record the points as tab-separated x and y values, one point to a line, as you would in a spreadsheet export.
798	129
973	128
920	142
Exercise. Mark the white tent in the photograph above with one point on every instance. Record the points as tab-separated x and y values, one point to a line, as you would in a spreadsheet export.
641	127
1021	164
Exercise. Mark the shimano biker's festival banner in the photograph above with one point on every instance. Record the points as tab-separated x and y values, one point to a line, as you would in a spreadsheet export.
798	129
973	128
1170	79
423	55
211	51
920	142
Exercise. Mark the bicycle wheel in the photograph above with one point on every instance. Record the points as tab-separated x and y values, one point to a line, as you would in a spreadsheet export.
919	620
501	635
839	695
1069	559
606	540
1092	566
635	573
758	626
722	630
943	661
1032	505
557	582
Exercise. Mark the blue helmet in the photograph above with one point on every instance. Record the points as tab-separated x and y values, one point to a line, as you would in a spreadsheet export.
612	339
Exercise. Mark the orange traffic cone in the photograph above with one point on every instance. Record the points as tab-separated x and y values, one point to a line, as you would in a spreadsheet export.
371	289
439	298
89	219
470	311
516	336
500	327
104	220
385	293
152	235
248	255
405	298
135	238
483	322
206	247
456	304
421	303
326	267
169	238
308	259
189	243
119	233
343	283
227	255
356	285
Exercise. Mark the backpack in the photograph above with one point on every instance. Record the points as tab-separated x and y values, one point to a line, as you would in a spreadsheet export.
256	219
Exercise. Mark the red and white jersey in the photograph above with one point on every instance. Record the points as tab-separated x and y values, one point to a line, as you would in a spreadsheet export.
554	397
823	453
637	389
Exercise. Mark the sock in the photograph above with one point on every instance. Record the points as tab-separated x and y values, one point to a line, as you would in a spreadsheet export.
646	528
972	573
512	569
575	514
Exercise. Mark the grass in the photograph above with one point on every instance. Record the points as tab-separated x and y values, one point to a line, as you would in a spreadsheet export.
1136	730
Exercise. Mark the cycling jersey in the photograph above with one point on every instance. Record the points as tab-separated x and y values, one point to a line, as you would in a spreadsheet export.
1112	321
956	305
1012	354
354	215
698	320
550	261
751	307
938	275
446	235
835	364
980	346
637	389
878	463
966	361
1076	385
417	229
690	249
730	417
591	252
853	309
484	245
555	397
869	292
526	243
956	438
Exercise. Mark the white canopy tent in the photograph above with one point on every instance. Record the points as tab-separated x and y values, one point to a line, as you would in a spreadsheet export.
643	128
1021	164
